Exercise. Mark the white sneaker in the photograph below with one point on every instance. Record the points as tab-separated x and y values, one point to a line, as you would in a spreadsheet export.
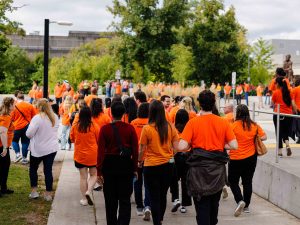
34	195
24	161
182	209
139	211
83	202
18	158
246	210
225	193
147	214
239	209
48	198
176	205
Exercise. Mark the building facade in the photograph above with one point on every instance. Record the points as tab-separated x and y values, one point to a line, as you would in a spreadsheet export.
58	45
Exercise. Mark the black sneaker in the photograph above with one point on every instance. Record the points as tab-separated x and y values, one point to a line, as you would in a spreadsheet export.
7	191
176	205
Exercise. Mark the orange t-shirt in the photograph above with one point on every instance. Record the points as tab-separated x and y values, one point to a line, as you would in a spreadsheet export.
85	144
229	117
273	86
58	91
65	115
296	96
38	94
172	113
246	88
125	118
245	140
209	132
277	99
138	125
88	99
118	89
259	91
101	120
156	153
5	121
107	111
227	89
31	93
167	116
192	115
28	111
239	90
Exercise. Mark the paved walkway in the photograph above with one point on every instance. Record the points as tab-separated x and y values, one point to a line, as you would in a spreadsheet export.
66	209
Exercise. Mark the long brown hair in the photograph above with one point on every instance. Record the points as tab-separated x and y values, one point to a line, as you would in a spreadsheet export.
44	107
242	113
158	117
6	103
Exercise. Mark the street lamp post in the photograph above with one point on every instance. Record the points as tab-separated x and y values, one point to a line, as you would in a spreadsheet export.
46	51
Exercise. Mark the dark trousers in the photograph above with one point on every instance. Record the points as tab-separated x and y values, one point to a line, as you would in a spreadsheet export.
207	209
4	169
117	189
58	101
21	134
244	169
47	163
238	99
158	180
285	125
180	173
138	191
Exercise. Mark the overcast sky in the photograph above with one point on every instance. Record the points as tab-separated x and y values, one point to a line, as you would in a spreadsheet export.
262	18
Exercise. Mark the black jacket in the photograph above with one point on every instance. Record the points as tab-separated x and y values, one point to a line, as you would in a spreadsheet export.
207	172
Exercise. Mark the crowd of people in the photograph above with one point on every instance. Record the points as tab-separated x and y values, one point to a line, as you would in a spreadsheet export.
136	143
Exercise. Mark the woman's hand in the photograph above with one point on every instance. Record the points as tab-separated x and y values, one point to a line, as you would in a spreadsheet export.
3	154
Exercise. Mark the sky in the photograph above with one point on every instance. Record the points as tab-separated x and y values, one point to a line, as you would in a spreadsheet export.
269	19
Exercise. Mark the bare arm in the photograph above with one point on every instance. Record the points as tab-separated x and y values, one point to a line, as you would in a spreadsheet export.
3	136
232	145
182	146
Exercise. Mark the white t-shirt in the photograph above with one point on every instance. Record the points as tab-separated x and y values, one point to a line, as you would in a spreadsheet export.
42	135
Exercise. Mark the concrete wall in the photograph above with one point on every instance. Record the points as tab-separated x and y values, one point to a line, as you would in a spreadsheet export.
277	185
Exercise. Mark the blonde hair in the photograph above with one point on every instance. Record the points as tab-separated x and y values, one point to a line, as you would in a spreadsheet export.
81	103
5	106
44	107
186	103
68	103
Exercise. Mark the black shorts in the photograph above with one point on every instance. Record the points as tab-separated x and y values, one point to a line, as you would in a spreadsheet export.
79	165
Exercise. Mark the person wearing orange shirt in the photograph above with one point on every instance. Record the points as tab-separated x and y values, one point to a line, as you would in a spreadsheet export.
283	97
31	94
141	208
207	135
98	116
140	97
175	108
6	136
38	93
279	73
58	93
93	95
228	111
85	136
21	116
64	111
239	92
246	90
166	100
186	103
227	90
130	110
243	160
296	107
118	88
259	94
156	154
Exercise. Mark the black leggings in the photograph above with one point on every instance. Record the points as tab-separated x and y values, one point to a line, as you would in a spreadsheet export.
285	124
4	169
244	169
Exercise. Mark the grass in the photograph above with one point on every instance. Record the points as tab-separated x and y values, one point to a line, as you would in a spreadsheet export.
17	208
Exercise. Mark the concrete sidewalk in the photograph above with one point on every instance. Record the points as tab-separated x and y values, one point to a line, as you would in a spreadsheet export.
66	209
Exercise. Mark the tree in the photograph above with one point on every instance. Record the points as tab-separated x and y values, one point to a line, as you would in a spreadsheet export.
215	38
146	33
261	62
183	63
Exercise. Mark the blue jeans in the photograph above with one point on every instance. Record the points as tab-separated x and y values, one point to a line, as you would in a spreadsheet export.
21	134
138	191
65	136
47	163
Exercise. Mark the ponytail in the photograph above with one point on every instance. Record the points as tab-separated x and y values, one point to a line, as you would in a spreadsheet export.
286	96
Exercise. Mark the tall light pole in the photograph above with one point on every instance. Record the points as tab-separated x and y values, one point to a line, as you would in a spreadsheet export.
46	51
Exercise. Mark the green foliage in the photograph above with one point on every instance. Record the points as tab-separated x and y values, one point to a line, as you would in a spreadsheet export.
261	62
217	41
182	65
146	30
